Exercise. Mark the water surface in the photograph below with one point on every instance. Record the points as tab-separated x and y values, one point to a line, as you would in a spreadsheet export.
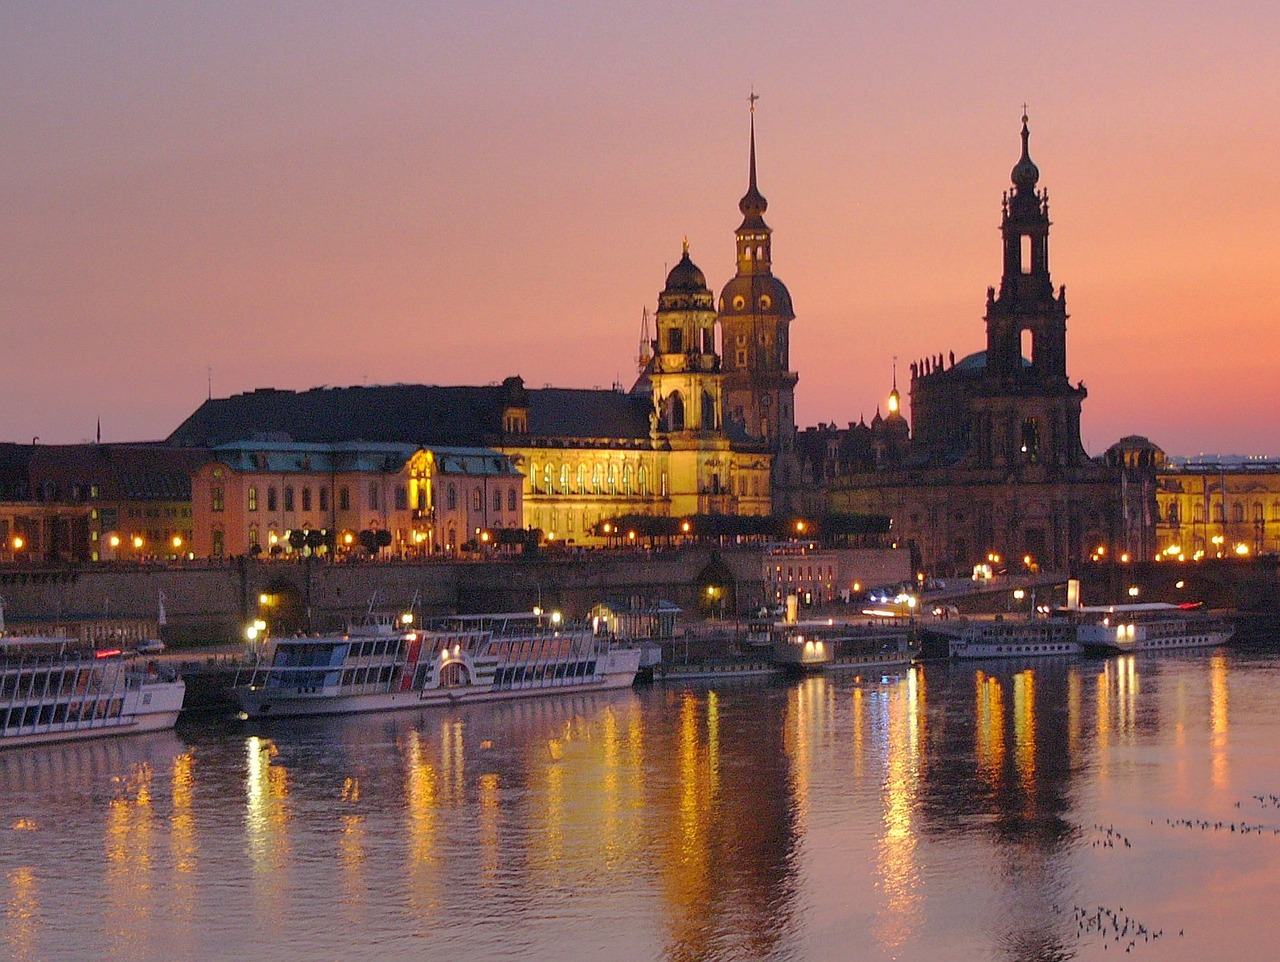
1022	811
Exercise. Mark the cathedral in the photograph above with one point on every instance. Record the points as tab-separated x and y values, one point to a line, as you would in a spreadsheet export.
991	468
698	434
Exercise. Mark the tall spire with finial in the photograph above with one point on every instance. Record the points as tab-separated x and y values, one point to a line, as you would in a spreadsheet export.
645	354
753	205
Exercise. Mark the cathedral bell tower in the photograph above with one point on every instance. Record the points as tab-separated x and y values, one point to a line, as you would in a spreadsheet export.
684	371
1026	413
755	315
1026	322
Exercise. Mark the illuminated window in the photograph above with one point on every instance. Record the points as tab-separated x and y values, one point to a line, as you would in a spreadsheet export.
1237	512
216	496
626	479
1030	440
1026	253
642	480
613	479
564	478
582	478
546	478
1173	513
253	536
533	476
595	478
1197	514
477	500
219	543
253	498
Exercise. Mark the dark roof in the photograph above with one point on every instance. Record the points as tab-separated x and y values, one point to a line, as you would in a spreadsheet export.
120	472
556	412
411	413
14	477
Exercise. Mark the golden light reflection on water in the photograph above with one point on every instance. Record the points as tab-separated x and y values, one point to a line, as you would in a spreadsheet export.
896	860
1218	715
989	729
22	913
421	816
128	857
1075	714
267	823
351	843
490	829
1024	736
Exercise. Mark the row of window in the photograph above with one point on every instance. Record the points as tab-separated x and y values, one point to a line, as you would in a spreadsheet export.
547	480
477	499
1174	512
321	501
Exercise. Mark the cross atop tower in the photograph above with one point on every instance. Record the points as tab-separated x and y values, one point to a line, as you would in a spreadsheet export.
752	100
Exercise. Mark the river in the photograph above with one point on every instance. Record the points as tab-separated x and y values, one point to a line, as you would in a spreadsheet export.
1062	809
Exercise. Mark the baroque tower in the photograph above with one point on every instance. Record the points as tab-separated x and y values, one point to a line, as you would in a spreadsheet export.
755	315
684	371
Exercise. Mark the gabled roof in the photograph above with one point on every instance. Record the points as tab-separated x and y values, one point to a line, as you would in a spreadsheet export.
120	472
424	415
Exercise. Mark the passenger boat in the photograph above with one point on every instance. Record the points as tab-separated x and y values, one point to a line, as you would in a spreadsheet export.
831	645
381	667
1154	626
1016	638
52	690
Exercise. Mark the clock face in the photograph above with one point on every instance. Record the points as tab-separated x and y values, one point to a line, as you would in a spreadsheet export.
739	303
766	302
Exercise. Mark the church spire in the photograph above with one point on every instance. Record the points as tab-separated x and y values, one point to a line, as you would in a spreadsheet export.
753	205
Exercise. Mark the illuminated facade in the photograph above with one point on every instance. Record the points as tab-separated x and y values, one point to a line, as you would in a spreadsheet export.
1216	510
755	315
994	465
264	498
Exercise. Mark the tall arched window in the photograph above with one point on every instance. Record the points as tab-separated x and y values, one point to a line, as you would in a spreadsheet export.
675	411
564	478
451	499
642	480
546	478
582	478
626	479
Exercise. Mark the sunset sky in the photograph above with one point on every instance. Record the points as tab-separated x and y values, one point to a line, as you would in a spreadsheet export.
298	194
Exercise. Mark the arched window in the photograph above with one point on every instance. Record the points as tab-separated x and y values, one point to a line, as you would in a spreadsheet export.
675	412
533	476
595	479
546	478
451	500
564	478
613	479
626	479
1030	441
1237	512
511	499
708	411
582	478
642	480
1197	513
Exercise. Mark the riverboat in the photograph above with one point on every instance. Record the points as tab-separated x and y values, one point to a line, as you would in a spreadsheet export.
830	645
1154	626
53	690
461	659
1015	638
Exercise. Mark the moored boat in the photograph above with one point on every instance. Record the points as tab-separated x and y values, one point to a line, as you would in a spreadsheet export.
53	690
1154	626
1015	638
460	659
831	645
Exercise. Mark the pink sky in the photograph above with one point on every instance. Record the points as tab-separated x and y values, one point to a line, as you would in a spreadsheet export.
304	194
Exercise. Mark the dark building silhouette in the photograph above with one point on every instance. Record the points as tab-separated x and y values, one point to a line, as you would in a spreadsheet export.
993	464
